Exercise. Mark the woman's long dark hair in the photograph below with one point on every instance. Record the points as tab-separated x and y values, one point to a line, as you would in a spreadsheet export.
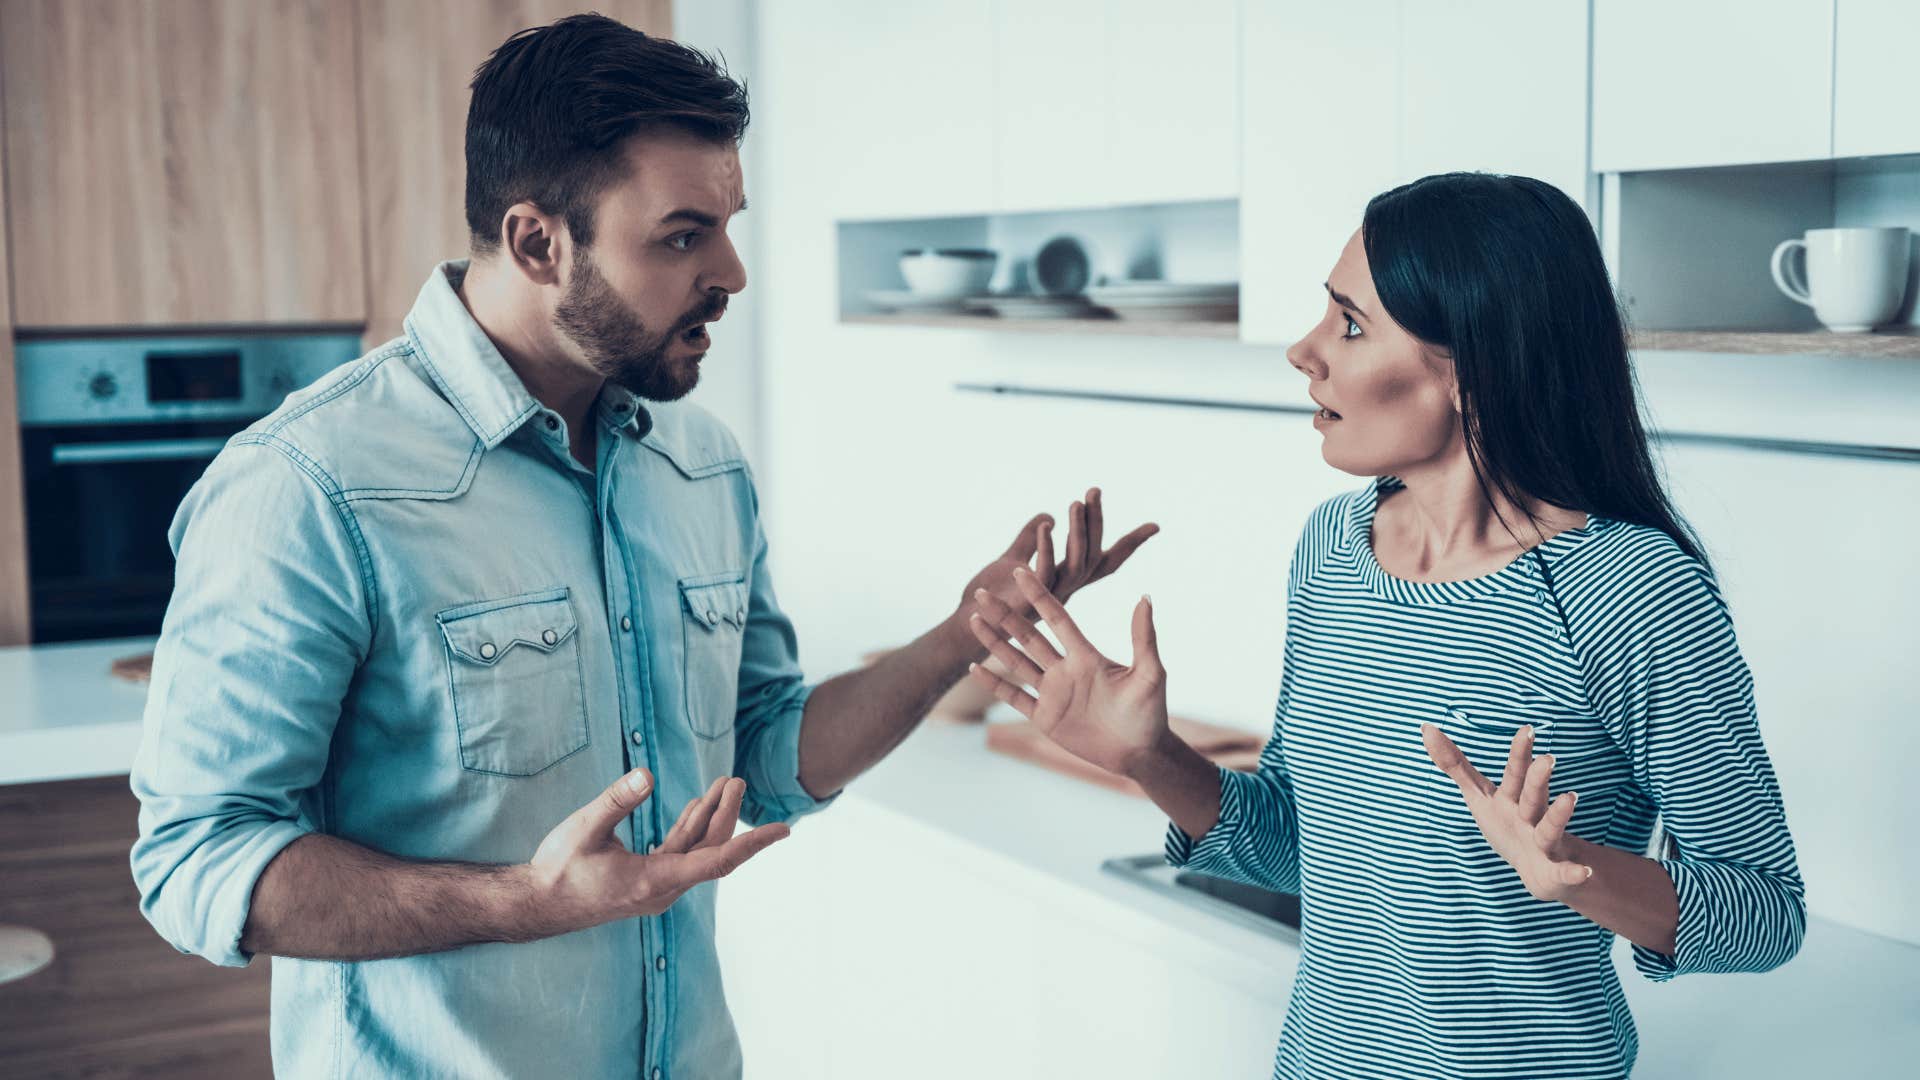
1504	273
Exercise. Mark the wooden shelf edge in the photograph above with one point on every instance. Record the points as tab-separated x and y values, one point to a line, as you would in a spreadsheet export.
1900	342
1215	331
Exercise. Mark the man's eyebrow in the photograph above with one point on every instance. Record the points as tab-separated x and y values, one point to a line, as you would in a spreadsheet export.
1344	300
700	217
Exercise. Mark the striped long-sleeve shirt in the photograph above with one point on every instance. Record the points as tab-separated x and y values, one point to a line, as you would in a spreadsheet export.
1423	955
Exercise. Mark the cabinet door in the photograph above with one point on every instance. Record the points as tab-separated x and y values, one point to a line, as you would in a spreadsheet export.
1173	100
188	163
1496	86
1111	103
417	58
1873	102
1050	109
1684	83
1321	113
898	96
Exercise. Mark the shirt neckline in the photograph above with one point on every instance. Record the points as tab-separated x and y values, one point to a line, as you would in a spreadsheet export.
1522	574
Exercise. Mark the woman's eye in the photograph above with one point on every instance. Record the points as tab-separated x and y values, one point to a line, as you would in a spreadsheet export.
1353	328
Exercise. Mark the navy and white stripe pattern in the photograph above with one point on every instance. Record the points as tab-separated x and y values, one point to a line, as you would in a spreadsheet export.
1422	953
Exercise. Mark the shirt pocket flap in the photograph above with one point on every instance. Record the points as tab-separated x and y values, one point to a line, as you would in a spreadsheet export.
541	621
713	604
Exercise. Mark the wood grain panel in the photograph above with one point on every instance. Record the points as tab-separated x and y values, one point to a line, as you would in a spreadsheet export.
186	162
15	615
118	1001
417	58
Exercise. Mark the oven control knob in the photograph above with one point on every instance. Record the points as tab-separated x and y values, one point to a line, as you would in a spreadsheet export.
103	386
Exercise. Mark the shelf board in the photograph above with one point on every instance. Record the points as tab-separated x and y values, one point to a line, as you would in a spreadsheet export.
1897	342
1219	331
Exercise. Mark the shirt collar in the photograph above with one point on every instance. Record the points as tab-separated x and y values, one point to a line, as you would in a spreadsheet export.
478	381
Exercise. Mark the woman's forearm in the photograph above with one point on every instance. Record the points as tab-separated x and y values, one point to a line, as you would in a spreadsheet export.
1629	894
1181	782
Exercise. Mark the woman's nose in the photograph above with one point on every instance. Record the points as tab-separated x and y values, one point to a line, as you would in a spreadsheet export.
1300	355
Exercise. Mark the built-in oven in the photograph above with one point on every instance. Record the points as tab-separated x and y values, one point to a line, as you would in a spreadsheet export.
113	432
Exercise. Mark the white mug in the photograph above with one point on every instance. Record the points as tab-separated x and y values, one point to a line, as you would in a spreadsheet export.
1854	279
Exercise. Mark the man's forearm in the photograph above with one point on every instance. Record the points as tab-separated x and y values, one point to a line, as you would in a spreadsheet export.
323	898
855	719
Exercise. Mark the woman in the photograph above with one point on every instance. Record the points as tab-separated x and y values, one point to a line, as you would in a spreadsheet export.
1511	608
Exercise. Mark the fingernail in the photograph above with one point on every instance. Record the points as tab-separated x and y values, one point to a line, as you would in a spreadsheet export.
1527	730
971	668
637	783
1589	873
1148	597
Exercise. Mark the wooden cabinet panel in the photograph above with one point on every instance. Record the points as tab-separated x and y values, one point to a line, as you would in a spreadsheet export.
183	163
117	1000
15	618
417	58
1687	83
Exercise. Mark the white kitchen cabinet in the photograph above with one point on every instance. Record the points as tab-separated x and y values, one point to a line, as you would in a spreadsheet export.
1050	111
901	96
1173	93
1873	100
1496	86
1111	102
1687	83
1321	104
1343	103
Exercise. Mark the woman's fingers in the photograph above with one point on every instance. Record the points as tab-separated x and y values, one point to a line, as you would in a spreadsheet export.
1553	824
1095	523
1533	795
1053	612
1023	669
1002	617
1519	756
1448	758
1004	690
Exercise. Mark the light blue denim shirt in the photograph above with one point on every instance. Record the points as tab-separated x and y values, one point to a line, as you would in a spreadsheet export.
406	617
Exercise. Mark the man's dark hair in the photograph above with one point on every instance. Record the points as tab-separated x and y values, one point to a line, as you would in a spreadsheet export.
553	106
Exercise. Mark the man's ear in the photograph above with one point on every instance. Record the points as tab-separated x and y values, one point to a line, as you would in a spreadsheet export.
534	242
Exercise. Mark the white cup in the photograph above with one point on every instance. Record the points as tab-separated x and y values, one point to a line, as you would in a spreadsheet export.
1855	279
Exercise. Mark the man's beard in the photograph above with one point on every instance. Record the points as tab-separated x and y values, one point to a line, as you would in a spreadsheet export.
618	344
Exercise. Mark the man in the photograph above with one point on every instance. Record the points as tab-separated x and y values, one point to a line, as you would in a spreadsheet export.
491	578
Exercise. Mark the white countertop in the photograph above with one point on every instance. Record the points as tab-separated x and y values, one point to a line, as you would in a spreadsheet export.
1848	1005
63	715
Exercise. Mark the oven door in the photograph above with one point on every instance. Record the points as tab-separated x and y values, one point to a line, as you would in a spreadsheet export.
99	501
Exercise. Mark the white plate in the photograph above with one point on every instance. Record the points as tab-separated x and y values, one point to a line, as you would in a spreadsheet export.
1186	312
1033	307
1144	291
907	300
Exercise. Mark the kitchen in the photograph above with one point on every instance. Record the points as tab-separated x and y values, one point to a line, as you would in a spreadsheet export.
217	233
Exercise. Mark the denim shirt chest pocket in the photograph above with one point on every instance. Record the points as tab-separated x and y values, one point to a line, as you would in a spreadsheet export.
713	618
515	676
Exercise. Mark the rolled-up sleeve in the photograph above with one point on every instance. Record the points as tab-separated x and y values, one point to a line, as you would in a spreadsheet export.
268	622
772	704
1666	675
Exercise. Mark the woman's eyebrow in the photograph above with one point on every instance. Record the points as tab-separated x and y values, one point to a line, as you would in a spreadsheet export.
1344	300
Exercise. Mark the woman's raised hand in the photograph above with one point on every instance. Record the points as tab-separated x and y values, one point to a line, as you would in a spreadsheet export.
1107	713
1516	817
